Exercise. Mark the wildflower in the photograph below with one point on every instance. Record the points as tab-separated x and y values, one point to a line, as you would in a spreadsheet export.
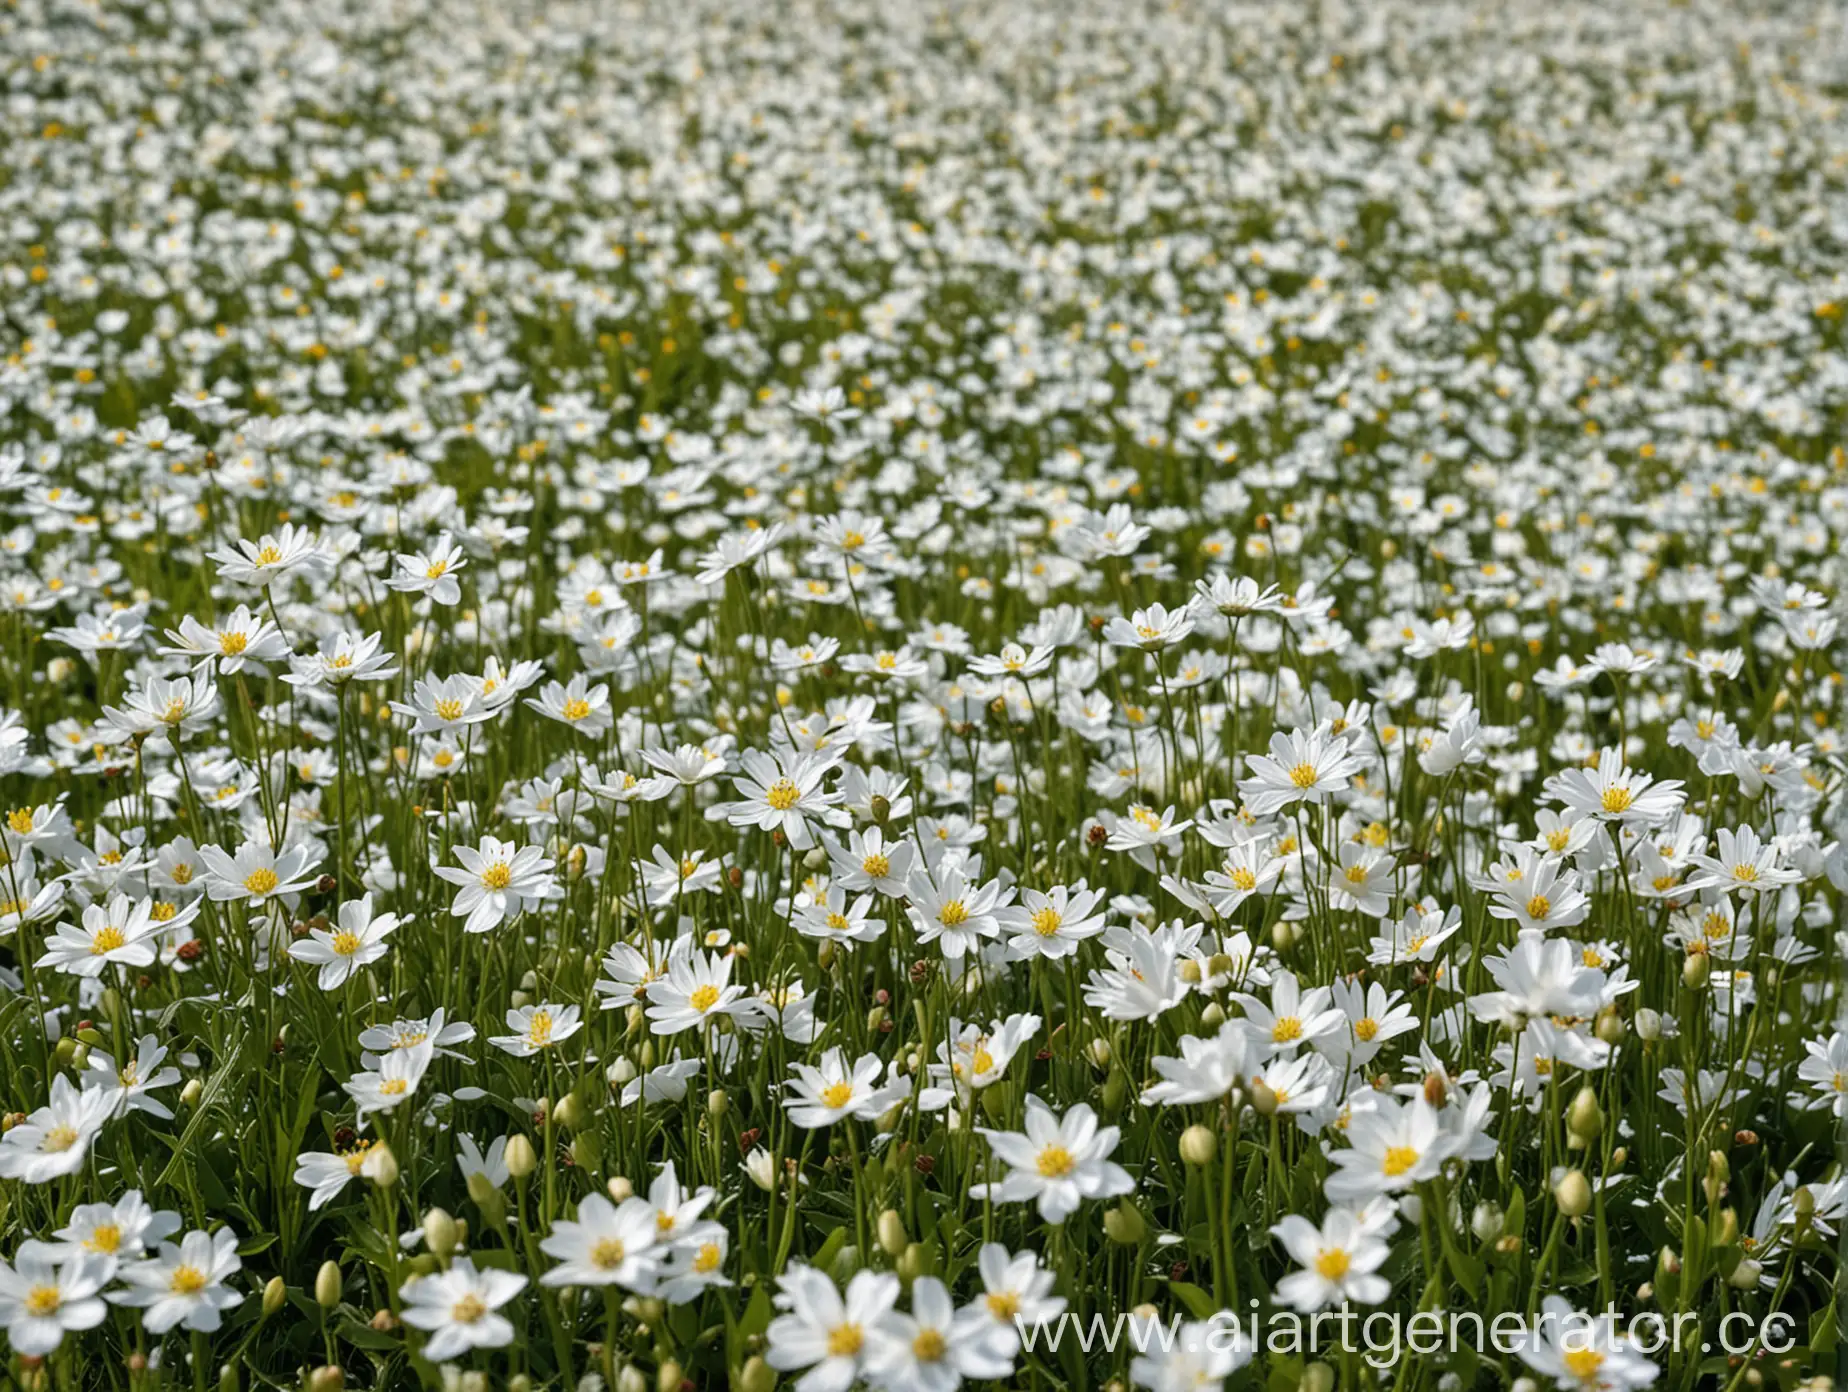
1056	1163
459	1309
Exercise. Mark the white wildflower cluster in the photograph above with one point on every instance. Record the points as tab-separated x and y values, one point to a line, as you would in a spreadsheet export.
699	696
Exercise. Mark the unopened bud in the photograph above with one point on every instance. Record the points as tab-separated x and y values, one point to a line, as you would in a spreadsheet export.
1648	1025
1198	1146
756	1375
1317	1377
1573	1194
519	1157
1487	1220
620	1188
327	1285
1609	1028
1263	1099
1585	1119
327	1378
439	1232
274	1294
1124	1224
667	1376
1695	971
892	1235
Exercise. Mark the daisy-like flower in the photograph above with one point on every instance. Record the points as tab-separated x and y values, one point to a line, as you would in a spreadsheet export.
162	709
1207	1069
119	931
1545	898
537	1028
822	1095
346	657
258	875
820	1330
974	1058
946	908
1340	1262
497	880
1199	1355
1300	767
431	573
49	1291
695	994
1583	1353
782	793
1292	1016
54	1140
935	1346
691	1269
1017	1292
444	706
1151	629
392	1083
1826	1070
458	1308
1418	936
1363	880
116	1232
1392	1146
1613	792
272	557
357	942
1247	868
326	1173
184	1283
735	550
870	861
1144	976
607	1244
127	1085
1745	865
1050	924
1013	661
1058	1163
577	705
241	637
837	918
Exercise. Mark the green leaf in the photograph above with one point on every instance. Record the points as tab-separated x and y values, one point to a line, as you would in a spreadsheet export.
1200	1304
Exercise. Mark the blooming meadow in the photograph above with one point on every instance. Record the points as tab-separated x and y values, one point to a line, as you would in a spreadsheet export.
727	696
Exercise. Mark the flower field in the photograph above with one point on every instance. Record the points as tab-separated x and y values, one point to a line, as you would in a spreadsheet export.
920	693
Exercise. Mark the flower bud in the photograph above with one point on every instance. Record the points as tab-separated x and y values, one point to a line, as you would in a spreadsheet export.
1283	937
1263	1100
913	1262
571	1112
1099	1050
630	1379
1745	1276
717	1103
274	1294
380	1166
327	1285
756	1375
1584	1119
439	1232
1609	1028
1725	1230
620	1188
892	1235
1213	1016
327	1378
667	1376
1648	1025
1317	1377
1124	1224
881	808
1573	1194
1198	1146
1695	971
519	1157
1487	1220
190	1094
1803	1207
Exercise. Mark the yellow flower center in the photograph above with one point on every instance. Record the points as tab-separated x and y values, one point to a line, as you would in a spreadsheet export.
953	914
181	874
1745	873
876	867
1286	1030
1244	880
497	876
1398	1159
261	881
43	1301
709	1258
1003	1305
837	1095
1356	874
1584	1364
467	1310
782	794
539	1028
104	1237
1539	906
436	570
1332	1265
1365	1030
187	1280
1056	1161
449	709
345	943
1303	775
608	1254
1047	922
1617	799
929	1346
577	710
394	1087
231	644
269	556
20	821
704	998
844	1341
107	939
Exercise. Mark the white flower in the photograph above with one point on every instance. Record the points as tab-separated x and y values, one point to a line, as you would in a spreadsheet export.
48	1292
184	1283
1340	1262
1300	768
358	942
431	573
821	1096
1057	1163
537	1028
457	1309
830	1336
606	1245
499	880
54	1140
